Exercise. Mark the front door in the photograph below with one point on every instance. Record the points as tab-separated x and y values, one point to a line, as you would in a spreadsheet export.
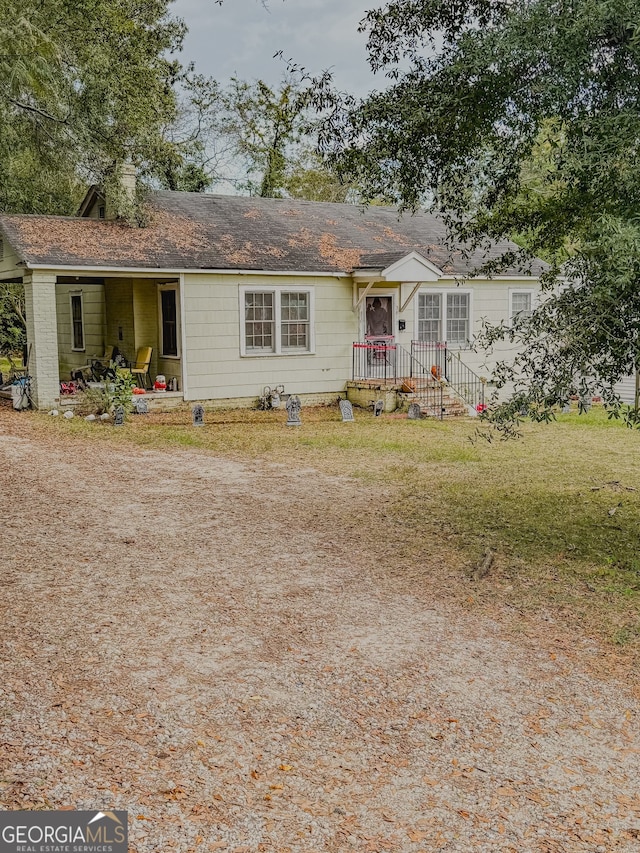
378	319
378	334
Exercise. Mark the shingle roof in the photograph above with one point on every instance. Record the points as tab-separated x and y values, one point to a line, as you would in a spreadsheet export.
202	231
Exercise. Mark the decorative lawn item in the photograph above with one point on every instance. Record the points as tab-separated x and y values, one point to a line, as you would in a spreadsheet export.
293	410
197	414
346	410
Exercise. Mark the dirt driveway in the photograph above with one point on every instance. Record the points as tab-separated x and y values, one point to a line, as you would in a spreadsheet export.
209	645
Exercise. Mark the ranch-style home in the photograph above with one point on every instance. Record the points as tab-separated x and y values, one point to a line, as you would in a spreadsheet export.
233	294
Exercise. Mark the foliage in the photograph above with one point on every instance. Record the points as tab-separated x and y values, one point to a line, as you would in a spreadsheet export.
13	331
308	177
83	86
114	392
518	119
264	126
247	136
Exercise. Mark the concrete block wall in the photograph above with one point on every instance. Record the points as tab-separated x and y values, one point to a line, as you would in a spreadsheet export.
42	336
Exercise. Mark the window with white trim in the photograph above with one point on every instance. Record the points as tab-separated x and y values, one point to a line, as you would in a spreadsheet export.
457	318
294	320
276	321
444	317
430	317
521	304
169	320
77	322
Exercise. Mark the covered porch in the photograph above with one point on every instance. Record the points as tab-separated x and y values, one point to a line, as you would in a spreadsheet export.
73	320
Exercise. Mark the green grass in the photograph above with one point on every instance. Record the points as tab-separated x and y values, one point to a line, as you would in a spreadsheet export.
560	507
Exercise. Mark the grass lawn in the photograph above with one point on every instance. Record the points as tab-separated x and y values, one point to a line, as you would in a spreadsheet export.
559	508
5	365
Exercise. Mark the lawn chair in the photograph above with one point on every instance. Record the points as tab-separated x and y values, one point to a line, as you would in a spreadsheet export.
140	370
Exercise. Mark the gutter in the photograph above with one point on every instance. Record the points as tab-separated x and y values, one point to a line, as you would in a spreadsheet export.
154	271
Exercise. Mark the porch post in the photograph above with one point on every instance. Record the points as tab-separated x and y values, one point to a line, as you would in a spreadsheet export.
42	337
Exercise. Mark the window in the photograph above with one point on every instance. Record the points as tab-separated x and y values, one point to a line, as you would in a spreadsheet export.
294	320
276	321
521	304
101	212
444	316
429	317
260	331
169	315
457	318
77	322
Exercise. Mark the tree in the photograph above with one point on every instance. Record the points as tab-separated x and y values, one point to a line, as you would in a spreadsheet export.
518	119
265	126
13	327
84	85
249	136
308	177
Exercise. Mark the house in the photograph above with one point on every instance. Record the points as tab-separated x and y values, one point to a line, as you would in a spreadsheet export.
235	293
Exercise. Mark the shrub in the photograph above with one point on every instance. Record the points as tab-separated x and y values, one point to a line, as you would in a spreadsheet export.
115	392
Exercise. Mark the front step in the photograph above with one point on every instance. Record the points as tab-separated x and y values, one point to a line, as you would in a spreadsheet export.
451	408
430	406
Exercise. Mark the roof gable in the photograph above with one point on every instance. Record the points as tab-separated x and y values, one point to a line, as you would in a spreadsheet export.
413	267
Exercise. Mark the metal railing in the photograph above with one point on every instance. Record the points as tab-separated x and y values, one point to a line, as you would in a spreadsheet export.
423	371
462	380
466	383
382	360
433	355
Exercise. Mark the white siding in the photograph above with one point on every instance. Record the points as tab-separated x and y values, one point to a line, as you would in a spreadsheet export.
490	300
217	370
626	388
93	314
212	319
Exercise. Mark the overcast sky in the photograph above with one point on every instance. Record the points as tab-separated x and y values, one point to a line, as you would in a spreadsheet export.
241	36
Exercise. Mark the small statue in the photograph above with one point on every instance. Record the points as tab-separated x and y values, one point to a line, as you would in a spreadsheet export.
293	411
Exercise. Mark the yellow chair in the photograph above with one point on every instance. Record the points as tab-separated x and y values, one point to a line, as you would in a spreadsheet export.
141	367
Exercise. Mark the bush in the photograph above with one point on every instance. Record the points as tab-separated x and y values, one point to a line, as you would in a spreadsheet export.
106	399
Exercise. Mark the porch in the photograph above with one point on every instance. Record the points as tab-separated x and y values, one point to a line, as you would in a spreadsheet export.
74	320
428	373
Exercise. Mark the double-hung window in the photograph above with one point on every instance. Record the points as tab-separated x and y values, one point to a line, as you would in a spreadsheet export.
444	317
77	322
458	316
521	305
430	317
276	321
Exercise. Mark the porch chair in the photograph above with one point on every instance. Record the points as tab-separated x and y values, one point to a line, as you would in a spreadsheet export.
100	366
141	367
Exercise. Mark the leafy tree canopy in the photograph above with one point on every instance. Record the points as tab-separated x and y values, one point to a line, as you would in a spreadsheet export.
247	136
84	84
518	119
13	333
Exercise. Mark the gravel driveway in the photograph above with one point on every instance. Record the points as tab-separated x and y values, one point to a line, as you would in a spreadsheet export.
207	645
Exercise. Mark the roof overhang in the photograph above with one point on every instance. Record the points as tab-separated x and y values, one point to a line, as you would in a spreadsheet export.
411	267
